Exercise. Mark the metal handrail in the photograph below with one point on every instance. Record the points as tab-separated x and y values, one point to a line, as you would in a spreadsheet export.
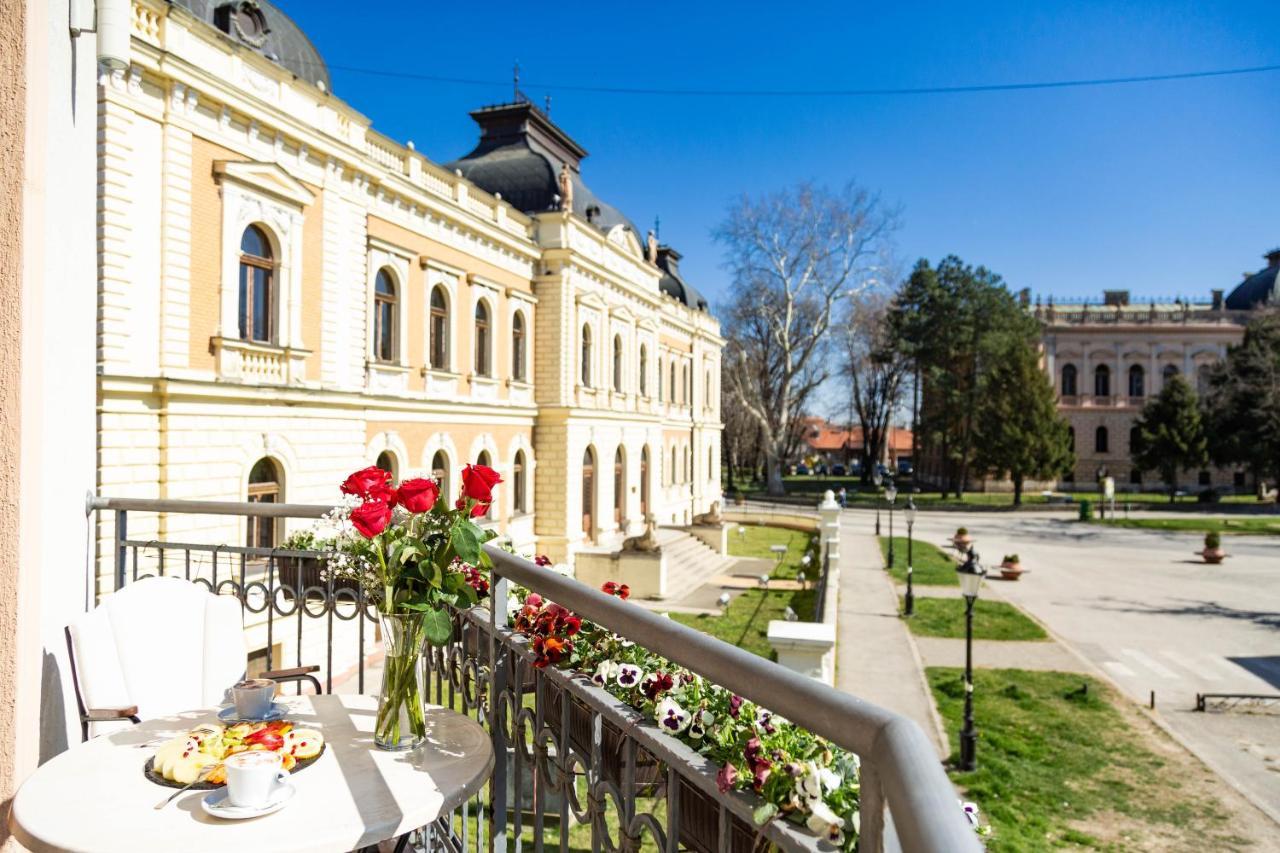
895	750
900	768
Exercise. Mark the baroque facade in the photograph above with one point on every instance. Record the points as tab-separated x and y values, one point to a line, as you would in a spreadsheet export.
1107	360
286	295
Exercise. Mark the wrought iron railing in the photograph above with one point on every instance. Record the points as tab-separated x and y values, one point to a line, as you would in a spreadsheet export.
583	769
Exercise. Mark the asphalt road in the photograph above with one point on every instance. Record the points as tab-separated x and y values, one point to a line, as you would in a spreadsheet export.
1152	617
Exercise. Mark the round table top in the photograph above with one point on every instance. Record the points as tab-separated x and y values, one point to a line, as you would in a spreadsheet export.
95	797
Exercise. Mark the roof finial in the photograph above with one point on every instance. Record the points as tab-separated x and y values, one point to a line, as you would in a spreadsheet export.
657	226
515	83
547	106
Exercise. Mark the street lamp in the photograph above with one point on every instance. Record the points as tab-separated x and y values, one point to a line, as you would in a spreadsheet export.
891	494
970	575
910	512
877	479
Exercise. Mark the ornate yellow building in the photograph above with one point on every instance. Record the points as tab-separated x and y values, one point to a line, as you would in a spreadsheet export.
285	295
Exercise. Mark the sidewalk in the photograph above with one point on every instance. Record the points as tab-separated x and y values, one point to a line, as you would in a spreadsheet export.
875	657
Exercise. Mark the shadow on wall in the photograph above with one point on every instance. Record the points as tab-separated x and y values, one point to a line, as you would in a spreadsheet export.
54	719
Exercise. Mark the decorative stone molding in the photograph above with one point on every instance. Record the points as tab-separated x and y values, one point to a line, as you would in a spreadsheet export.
259	364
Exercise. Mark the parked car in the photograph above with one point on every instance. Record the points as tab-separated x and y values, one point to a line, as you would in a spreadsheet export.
802	470
904	468
837	471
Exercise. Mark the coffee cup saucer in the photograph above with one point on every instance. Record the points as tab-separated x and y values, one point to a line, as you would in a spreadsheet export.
277	712
215	803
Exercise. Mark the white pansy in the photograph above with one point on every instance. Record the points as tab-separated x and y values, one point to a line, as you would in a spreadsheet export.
605	672
629	675
701	721
823	821
671	718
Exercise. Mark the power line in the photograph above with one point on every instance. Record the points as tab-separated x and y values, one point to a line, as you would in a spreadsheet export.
823	93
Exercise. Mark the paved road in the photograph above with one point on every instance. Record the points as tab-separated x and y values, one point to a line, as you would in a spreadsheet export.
1143	610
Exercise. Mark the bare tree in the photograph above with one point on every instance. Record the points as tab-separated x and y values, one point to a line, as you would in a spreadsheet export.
794	254
875	371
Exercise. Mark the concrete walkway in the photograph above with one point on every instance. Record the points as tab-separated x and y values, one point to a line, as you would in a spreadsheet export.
875	657
1000	654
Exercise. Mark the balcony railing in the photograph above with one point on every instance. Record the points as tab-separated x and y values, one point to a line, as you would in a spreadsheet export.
582	768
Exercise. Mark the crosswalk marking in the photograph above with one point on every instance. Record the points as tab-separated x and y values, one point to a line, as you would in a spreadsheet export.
1151	664
1117	668
1202	670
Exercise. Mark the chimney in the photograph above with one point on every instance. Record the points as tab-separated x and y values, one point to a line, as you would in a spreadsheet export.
1273	259
1217	299
1115	297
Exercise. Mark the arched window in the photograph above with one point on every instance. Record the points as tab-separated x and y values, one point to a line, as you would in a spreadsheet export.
264	487
688	384
673	380
660	369
711	460
385	316
387	463
483	367
588	493
1100	440
1102	381
438	329
644	483
1170	371
674	466
1069	380
586	356
706	391
617	363
1133	439
257	271
517	347
518	491
440	473
1137	382
1071	437
619	485
644	371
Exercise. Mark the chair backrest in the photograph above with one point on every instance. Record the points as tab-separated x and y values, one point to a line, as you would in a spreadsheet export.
163	644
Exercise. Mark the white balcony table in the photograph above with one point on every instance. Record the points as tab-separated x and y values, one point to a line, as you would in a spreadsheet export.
95	796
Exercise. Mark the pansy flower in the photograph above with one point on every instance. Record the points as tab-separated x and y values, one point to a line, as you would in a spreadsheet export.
655	684
825	823
629	675
671	718
605	673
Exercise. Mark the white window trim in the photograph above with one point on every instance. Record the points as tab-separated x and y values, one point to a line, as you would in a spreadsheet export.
448	279
383	255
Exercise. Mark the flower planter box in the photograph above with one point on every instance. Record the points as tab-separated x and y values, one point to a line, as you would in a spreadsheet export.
298	573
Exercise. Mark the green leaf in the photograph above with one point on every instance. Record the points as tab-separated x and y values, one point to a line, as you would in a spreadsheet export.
438	627
764	814
465	539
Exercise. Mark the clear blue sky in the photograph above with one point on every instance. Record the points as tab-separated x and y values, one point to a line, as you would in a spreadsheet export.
1163	188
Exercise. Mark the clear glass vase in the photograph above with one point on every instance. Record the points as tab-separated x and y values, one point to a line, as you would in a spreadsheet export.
401	721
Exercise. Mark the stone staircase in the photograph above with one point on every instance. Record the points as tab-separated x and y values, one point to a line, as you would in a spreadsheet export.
690	562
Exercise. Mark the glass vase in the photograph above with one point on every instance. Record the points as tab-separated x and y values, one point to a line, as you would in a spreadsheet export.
401	721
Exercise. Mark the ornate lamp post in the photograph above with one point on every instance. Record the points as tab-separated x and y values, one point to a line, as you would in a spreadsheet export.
890	494
971	575
877	479
910	513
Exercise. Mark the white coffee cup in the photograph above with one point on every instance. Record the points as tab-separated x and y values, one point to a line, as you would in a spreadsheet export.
253	698
252	777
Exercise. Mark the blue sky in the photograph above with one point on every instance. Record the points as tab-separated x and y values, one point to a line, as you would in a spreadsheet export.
1162	188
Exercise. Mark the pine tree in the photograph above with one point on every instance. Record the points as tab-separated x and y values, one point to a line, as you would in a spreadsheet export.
1019	430
1168	434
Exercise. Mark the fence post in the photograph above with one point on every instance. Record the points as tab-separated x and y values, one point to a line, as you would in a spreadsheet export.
122	552
499	680
829	526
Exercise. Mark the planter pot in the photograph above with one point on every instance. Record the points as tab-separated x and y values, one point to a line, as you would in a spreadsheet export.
962	542
739	500
1213	556
299	573
1011	571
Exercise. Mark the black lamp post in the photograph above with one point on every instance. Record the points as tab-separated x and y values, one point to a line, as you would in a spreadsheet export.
910	513
971	575
876	479
890	494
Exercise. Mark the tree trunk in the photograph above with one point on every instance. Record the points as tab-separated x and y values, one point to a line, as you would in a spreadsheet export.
773	467
1017	490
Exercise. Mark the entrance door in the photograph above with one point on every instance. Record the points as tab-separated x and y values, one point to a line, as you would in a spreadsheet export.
264	487
588	494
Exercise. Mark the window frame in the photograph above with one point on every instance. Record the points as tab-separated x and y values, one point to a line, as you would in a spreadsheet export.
585	355
482	332
438	344
519	367
247	282
386	329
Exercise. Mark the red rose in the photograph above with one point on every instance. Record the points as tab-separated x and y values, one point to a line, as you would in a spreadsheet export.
476	511
542	560
418	495
371	483
371	518
478	482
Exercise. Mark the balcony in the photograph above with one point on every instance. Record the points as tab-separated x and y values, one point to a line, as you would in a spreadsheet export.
578	760
259	363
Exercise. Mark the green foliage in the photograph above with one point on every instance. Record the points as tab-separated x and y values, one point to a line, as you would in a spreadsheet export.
745	622
1168	435
1011	558
1256	526
1242	406
1058	763
992	620
1213	539
1019	430
962	531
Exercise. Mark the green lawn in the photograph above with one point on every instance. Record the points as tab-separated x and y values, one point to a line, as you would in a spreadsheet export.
930	565
992	620
1264	525
1059	767
757	539
745	622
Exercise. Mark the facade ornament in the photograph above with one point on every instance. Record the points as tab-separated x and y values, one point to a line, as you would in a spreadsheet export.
566	188
651	247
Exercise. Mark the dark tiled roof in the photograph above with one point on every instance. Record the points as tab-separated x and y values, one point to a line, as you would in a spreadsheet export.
673	284
1254	290
520	154
285	44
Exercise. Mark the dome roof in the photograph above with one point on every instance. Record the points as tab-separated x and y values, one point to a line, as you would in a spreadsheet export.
519	155
263	28
673	284
1257	288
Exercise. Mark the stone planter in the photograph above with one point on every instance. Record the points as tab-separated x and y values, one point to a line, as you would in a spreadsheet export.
962	543
1011	571
1213	556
